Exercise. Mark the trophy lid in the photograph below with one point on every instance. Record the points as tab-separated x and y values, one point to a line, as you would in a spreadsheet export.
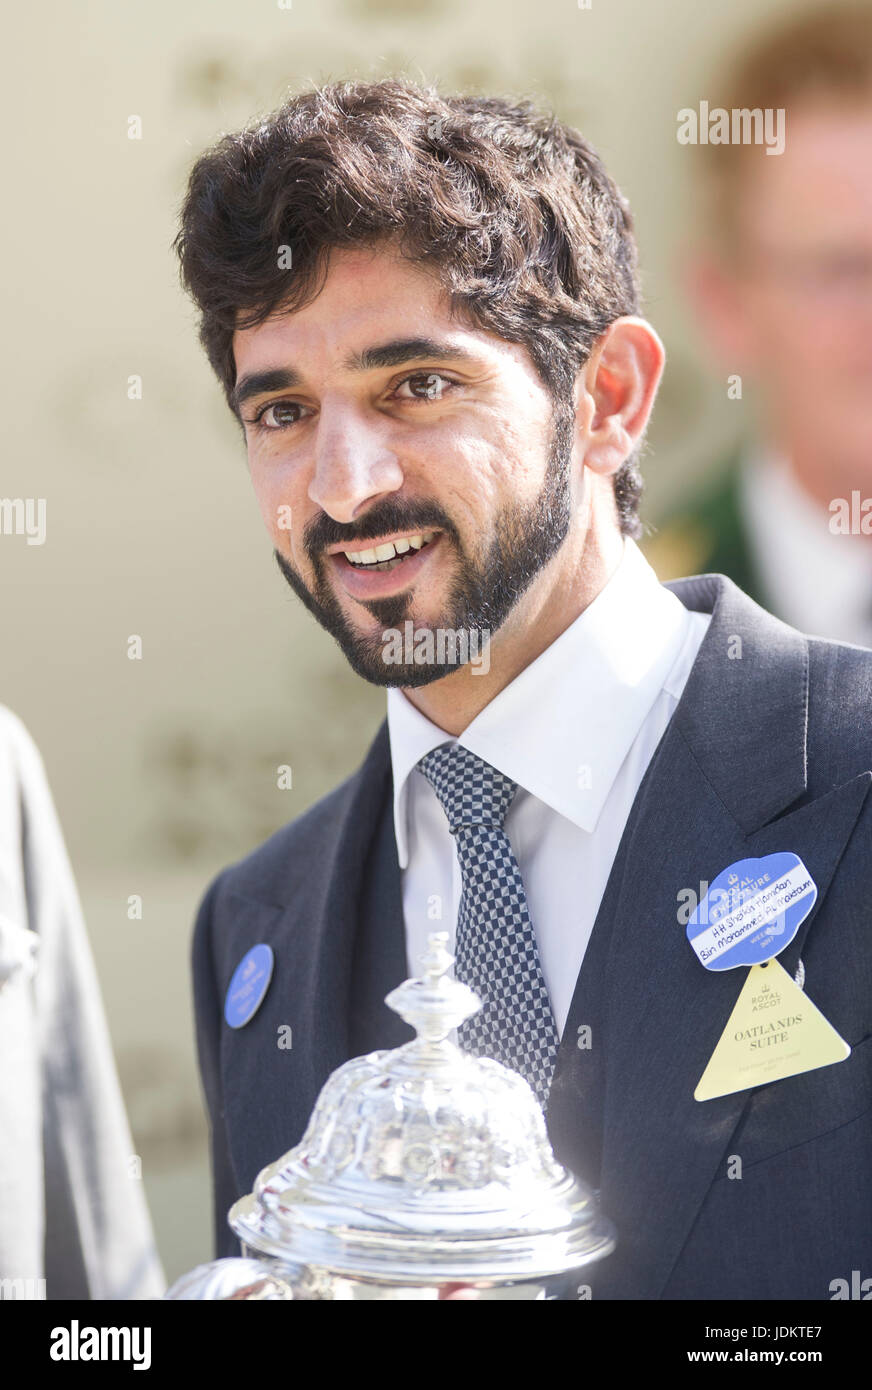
424	1163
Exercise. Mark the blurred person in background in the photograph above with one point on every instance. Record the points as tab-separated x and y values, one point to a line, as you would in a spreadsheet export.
73	1218
783	286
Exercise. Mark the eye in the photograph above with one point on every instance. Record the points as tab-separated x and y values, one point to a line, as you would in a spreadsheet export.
425	386
277	415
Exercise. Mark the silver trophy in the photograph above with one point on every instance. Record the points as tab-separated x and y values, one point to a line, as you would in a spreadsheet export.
424	1173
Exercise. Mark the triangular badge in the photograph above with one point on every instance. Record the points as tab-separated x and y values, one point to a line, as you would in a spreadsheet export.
774	1031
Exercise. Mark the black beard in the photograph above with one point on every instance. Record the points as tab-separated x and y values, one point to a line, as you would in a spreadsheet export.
482	595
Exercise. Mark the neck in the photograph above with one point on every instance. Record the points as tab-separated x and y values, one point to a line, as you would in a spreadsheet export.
823	477
565	587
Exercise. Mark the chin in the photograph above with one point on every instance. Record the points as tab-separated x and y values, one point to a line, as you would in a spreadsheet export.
372	668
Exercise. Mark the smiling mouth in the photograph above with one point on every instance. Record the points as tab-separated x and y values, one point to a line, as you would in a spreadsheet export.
390	555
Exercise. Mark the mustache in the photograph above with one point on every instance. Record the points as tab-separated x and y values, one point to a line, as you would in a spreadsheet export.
382	520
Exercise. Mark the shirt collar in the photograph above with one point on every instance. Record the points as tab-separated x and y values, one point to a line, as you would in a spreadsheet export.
812	573
563	727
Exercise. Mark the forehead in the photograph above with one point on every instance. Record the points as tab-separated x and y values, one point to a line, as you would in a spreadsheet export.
820	187
368	296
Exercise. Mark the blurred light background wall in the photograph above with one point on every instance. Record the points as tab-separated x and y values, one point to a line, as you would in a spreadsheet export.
164	768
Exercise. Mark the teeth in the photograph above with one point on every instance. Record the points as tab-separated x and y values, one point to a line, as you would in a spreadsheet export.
389	550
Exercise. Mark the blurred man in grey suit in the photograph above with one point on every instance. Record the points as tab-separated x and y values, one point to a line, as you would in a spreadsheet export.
73	1218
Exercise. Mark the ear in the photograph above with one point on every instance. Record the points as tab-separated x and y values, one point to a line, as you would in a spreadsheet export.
619	383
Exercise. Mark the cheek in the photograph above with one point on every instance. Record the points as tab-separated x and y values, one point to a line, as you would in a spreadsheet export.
267	501
282	510
786	339
483	475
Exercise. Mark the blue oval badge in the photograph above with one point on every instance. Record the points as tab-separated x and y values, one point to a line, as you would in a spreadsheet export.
752	910
248	986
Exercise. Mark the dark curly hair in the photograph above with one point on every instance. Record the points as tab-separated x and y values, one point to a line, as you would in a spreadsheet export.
531	238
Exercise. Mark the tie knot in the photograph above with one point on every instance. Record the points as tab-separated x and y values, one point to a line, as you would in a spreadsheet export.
470	790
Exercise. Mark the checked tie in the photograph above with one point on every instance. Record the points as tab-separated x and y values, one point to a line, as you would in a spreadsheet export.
495	948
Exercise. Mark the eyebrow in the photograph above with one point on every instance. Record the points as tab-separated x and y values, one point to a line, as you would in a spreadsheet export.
392	354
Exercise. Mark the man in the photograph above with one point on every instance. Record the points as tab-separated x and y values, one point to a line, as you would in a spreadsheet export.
73	1218
443	401
782	281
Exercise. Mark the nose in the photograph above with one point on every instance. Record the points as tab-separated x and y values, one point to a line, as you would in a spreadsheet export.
353	463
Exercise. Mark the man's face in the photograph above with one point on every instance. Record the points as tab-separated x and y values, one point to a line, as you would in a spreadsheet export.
388	424
802	292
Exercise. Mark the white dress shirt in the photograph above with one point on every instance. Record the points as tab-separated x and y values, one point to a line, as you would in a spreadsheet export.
576	731
817	581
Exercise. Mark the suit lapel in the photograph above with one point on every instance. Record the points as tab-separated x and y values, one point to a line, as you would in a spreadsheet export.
664	1013
732	758
380	963
314	936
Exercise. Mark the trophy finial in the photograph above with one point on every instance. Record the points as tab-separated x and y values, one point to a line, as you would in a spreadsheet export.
437	958
434	1003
